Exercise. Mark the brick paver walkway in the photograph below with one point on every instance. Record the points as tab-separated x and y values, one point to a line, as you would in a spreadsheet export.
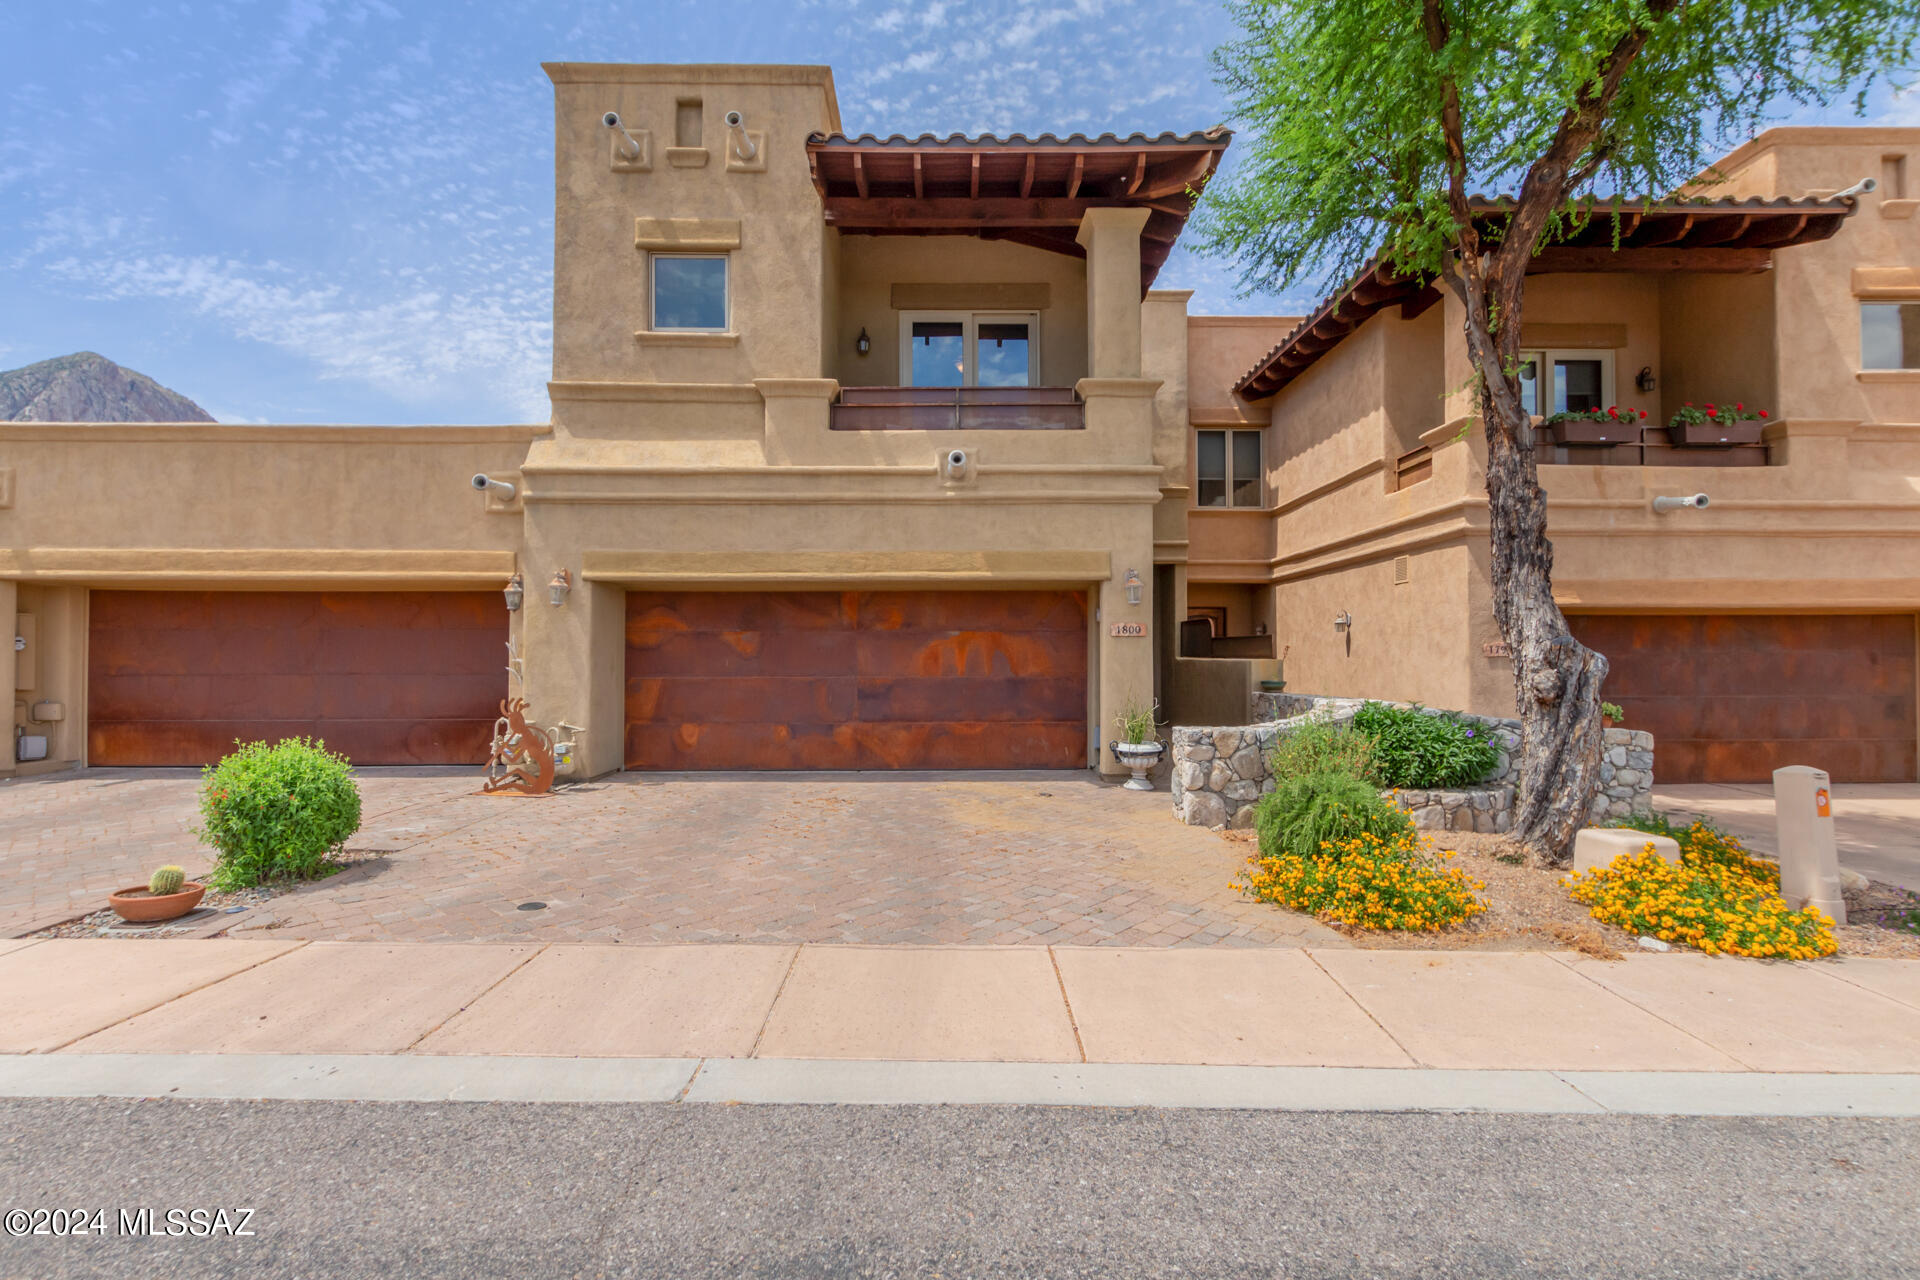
1010	858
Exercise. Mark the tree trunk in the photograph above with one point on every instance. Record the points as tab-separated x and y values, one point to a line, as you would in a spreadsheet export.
1556	679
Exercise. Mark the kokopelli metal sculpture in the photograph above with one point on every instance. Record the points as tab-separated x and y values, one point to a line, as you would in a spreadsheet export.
522	757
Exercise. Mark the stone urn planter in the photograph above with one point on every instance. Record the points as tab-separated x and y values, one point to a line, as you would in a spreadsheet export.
1714	435
140	905
1139	757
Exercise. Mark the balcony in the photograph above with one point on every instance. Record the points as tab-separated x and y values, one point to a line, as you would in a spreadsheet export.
958	409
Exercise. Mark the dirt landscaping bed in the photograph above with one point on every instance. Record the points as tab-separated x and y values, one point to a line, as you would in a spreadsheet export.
1529	909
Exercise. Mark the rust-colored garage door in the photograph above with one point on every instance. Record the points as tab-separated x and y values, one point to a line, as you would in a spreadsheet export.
856	680
1732	697
174	677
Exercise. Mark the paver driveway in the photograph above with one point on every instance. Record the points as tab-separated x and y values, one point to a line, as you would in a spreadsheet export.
1004	858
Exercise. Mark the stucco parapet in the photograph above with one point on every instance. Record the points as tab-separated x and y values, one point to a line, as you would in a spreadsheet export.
1452	431
1117	388
260	566
797	388
656	392
864	567
687	73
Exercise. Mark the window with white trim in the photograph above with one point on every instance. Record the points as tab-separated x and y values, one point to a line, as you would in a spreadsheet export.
1566	381
690	292
1228	470
969	349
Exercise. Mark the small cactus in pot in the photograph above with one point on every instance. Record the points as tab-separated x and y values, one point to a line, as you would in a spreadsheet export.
167	895
165	881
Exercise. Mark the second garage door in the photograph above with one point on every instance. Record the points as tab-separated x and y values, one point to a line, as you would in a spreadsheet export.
387	677
856	680
1732	697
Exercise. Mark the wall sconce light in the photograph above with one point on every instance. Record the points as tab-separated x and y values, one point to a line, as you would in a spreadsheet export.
1133	585
558	588
1342	621
863	345
1644	379
516	593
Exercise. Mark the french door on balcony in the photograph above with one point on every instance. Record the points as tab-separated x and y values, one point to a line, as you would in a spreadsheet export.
969	349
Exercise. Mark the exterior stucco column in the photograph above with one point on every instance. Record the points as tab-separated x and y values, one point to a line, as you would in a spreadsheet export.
1111	238
9	605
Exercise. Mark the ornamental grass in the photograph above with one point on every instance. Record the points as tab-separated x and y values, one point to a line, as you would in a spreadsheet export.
1368	882
1718	898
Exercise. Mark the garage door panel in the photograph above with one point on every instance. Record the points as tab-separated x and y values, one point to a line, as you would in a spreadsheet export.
856	680
750	653
387	677
136	698
969	653
1730	698
973	610
703	746
972	746
759	700
958	699
649	611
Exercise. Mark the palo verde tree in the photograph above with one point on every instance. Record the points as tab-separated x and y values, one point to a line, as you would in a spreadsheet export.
1369	123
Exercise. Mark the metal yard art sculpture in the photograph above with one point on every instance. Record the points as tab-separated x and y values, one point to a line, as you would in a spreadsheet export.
521	761
524	756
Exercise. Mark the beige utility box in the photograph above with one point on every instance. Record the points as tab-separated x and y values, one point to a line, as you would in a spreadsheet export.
1599	846
1803	824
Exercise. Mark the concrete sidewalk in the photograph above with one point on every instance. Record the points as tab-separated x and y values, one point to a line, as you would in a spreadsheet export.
1380	1010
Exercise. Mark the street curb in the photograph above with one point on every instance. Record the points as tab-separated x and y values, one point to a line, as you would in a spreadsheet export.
782	1081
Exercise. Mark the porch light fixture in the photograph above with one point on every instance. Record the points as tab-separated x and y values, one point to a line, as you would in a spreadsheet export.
1133	585
1644	379
863	345
1342	621
516	593
558	588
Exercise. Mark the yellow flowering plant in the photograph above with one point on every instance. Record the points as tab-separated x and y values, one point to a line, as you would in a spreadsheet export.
1369	882
1718	898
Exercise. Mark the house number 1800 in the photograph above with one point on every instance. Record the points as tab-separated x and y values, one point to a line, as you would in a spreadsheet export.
1129	629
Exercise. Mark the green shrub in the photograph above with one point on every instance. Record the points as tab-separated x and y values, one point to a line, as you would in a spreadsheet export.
276	811
1321	746
1412	748
1308	810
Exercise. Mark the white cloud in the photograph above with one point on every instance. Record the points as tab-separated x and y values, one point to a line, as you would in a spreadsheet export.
417	344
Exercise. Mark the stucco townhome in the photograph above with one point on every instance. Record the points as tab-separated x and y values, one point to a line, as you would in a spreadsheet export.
862	452
887	453
1339	509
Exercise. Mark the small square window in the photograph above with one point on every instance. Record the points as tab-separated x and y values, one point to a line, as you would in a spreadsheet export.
1215	487
689	292
1890	335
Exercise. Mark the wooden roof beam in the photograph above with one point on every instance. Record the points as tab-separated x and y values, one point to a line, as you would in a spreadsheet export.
1139	173
973	178
919	179
1026	178
860	174
1079	168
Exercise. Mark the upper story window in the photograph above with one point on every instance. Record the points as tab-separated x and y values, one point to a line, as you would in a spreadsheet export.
969	349
1565	381
1229	469
1890	335
690	292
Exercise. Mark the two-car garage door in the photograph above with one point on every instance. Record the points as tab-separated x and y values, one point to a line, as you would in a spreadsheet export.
856	680
1732	697
399	677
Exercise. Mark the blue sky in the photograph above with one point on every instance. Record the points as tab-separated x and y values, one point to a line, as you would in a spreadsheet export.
303	211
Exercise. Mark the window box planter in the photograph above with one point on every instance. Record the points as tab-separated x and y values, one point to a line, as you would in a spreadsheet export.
1586	431
1714	435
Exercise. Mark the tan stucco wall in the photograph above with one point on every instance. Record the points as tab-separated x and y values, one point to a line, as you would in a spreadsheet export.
871	265
1835	525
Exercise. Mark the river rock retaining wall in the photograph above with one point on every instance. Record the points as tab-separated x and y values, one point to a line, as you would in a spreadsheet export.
1220	771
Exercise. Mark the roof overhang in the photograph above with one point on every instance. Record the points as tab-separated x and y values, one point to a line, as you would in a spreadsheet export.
1030	191
1738	236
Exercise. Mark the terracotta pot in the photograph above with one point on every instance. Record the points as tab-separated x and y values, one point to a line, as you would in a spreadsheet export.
1608	722
1715	435
1581	431
137	906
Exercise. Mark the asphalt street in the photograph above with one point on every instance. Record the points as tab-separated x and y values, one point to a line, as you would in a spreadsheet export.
689	1190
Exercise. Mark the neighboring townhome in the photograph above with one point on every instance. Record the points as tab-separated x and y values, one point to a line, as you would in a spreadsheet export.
1340	509
862	451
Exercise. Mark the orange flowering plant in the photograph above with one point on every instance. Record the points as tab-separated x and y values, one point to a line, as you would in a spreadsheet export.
1369	882
1719	899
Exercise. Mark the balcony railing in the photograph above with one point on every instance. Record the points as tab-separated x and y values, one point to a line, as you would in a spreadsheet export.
1652	448
958	409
